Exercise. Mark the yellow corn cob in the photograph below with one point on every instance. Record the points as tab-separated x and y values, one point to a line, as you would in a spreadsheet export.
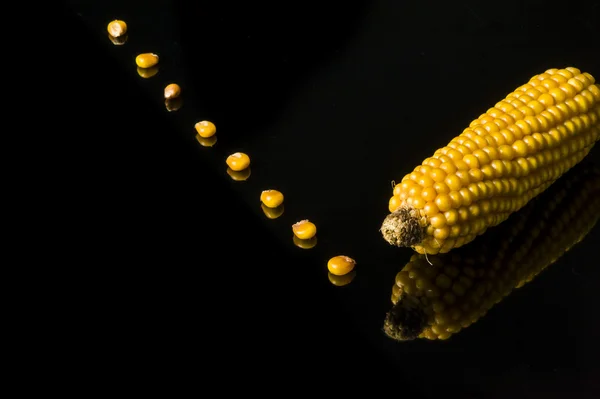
434	300
498	164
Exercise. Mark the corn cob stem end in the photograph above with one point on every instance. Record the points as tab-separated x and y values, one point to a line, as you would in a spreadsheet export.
406	320
402	228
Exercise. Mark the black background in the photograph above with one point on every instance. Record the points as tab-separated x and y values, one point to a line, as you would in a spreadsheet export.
181	276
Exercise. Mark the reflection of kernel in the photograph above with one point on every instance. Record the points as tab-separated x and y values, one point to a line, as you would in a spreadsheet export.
206	141
117	28
205	129
304	229
146	60
118	41
239	175
272	213
238	161
147	72
271	198
340	281
341	265
173	104
305	244
172	90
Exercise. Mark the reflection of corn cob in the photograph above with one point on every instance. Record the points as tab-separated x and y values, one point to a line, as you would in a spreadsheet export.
438	295
504	158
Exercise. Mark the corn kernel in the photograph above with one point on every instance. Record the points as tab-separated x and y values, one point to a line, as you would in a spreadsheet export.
238	161
304	229
205	129
146	60
117	28
341	265
395	202
172	90
271	198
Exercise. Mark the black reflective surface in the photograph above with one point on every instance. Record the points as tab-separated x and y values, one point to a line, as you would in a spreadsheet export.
332	103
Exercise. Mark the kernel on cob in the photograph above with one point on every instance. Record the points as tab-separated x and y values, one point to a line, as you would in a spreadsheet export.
434	301
494	167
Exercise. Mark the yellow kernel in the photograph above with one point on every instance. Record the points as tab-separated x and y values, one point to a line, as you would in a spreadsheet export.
546	100
471	160
406	185
425	181
455	199
437	221
341	281
475	175
438	175
415	191
443	202
425	169
117	28
271	198
467	196
441	188
428	194
448	167
453	182
578	85
430	209
568	90
558	95
506	152
304	229
172	91
418	202
239	175
206	141
461	165
205	129
394	203
451	216
340	265
536	105
146	60
238	161
147	72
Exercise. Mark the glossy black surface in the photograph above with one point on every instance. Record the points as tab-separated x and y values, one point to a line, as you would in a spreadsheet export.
332	103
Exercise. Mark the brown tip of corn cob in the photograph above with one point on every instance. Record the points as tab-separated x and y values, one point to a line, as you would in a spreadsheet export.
402	228
406	320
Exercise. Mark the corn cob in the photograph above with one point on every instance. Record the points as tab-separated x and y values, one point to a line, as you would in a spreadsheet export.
499	163
436	296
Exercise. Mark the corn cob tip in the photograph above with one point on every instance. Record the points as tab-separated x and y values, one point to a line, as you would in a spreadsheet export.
406	320
402	228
